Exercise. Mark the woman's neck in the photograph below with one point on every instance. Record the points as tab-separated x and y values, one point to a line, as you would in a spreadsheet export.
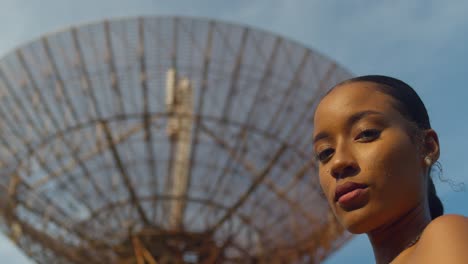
390	240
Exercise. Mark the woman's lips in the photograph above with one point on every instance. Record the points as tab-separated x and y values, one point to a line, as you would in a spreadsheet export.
348	191
350	198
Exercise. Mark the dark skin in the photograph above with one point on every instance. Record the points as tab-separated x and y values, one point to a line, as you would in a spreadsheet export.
361	137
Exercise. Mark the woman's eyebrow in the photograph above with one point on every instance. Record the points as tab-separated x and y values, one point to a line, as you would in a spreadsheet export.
320	136
354	118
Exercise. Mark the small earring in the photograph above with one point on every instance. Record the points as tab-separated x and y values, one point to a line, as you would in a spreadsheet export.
428	161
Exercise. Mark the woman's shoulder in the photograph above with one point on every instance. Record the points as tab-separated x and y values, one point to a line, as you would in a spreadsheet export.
450	221
450	226
444	240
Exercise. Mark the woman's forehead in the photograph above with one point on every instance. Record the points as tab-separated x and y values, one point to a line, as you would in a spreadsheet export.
346	100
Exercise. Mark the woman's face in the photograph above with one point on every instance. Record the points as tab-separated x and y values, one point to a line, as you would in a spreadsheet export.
370	166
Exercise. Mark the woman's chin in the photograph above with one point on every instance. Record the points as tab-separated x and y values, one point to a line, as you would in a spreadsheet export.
356	228
356	222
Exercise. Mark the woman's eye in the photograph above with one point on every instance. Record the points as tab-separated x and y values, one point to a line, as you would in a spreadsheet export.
368	135
325	154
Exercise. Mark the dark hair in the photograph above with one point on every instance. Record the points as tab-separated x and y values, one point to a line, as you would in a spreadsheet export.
410	105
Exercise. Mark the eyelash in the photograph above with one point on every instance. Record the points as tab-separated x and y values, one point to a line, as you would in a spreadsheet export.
374	134
322	158
366	135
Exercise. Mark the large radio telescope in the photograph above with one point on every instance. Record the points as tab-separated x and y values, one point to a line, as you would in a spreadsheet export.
164	140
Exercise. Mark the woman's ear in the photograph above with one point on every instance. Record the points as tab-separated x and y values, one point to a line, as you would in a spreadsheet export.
431	145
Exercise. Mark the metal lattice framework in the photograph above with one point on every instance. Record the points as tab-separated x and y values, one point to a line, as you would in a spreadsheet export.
164	140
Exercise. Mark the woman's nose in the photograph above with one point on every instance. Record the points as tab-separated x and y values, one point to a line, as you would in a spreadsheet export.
343	164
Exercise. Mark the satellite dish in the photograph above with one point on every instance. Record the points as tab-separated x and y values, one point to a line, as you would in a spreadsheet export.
164	140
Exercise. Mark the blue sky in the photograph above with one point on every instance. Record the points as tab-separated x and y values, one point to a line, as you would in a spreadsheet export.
422	42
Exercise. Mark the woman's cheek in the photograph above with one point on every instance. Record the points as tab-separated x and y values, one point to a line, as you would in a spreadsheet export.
392	167
325	183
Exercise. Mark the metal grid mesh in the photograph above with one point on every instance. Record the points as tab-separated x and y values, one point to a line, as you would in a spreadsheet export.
86	158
